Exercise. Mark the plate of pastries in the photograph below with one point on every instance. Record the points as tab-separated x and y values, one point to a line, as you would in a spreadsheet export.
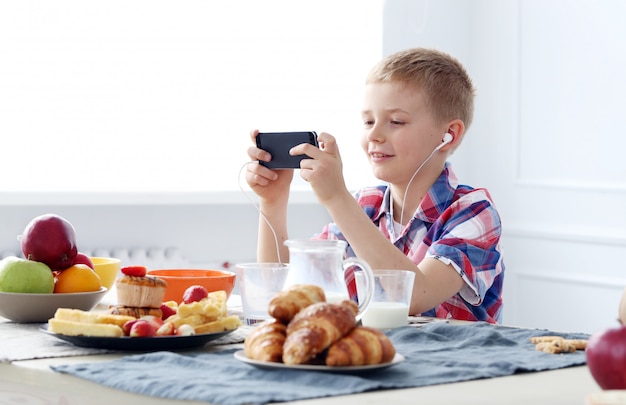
307	333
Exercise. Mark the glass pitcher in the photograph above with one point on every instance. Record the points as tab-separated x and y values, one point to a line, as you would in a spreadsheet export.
321	262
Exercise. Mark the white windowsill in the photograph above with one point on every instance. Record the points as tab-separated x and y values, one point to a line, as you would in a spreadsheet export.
230	197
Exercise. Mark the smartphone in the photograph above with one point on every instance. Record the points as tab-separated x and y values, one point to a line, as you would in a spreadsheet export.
278	145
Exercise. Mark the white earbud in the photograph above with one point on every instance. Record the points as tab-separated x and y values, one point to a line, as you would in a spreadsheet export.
447	138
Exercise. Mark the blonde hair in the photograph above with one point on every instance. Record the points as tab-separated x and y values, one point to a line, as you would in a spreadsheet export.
445	84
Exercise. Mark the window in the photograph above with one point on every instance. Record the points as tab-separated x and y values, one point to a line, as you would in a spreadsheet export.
155	96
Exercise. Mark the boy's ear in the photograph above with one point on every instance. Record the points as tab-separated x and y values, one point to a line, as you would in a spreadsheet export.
456	129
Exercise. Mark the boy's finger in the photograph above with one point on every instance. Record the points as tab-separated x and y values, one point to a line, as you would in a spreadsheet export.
328	143
258	154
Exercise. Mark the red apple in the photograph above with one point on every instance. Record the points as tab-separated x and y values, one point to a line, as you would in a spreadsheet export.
142	328
195	293
49	239
82	258
606	358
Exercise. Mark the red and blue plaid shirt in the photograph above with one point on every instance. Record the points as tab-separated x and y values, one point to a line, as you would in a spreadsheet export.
456	224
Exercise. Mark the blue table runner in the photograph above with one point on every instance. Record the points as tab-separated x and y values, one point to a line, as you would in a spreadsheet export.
436	353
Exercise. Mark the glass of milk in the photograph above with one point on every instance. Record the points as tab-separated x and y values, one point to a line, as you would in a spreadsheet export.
389	307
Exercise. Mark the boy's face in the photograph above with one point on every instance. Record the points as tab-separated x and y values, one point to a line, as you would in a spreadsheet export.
398	132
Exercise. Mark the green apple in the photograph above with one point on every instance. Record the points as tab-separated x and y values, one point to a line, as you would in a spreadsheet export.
25	276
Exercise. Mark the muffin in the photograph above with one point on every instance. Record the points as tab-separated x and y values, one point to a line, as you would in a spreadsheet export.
135	312
142	292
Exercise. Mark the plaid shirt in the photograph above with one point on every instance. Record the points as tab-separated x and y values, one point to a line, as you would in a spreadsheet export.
455	224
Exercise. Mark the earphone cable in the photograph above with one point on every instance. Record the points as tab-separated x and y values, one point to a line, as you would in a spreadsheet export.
259	209
406	190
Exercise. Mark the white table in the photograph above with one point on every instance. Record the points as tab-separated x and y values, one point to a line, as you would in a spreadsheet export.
33	379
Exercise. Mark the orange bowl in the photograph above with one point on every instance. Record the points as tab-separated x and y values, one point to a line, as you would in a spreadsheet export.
178	280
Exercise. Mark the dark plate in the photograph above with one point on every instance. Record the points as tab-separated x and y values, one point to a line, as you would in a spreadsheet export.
155	343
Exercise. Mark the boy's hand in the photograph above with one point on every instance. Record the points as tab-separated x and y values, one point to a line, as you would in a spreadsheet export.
324	170
268	184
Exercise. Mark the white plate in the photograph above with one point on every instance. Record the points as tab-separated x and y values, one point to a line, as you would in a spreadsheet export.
241	356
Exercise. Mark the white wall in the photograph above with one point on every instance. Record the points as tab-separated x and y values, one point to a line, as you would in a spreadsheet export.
544	141
142	96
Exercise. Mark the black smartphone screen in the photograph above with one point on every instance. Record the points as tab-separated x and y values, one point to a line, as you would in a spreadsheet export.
278	145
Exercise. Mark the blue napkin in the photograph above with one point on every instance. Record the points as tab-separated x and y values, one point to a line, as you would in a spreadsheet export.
436	353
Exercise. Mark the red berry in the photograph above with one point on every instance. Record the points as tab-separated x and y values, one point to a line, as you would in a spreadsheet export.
155	321
167	329
128	326
134	271
167	311
142	328
195	293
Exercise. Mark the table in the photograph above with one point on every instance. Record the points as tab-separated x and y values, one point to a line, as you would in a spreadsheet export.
30	381
33	379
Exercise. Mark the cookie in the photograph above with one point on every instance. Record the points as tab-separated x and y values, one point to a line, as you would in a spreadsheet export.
579	344
558	344
541	339
555	347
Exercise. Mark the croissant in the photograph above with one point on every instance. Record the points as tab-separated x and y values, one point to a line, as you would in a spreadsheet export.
315	328
286	304
265	342
362	346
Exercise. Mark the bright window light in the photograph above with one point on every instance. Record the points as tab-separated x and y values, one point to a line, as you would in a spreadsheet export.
156	96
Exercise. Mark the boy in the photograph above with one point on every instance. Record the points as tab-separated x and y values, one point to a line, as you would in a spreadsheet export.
418	104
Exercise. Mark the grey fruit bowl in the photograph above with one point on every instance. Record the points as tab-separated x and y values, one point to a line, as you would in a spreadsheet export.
32	308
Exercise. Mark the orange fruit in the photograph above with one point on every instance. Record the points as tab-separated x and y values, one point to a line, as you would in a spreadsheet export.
77	278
